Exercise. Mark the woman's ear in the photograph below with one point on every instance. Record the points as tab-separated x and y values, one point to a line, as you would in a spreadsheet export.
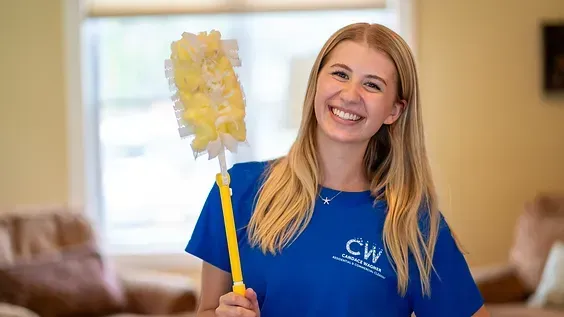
397	110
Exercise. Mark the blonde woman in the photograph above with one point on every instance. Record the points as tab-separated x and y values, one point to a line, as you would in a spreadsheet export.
347	223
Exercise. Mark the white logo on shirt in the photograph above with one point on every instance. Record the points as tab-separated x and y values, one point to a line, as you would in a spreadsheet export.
363	255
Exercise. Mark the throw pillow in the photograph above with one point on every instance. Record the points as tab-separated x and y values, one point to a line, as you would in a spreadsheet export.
73	283
550	292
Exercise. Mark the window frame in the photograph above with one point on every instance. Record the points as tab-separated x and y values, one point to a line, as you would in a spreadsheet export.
105	8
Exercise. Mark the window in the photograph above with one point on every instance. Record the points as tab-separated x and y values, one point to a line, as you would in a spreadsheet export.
151	189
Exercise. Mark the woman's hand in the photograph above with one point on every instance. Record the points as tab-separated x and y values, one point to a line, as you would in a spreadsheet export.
235	305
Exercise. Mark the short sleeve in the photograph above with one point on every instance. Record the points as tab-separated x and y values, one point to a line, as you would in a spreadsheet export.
453	290
208	241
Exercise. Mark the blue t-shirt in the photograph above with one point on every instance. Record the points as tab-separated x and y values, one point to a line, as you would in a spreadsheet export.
337	266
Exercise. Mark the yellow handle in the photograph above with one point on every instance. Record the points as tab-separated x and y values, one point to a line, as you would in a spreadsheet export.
232	245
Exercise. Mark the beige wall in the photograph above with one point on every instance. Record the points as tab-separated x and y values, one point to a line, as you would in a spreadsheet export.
33	165
494	140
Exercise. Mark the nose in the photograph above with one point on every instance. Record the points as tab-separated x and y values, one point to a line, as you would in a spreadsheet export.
350	94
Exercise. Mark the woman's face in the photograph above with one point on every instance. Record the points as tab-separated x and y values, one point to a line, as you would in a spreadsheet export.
356	93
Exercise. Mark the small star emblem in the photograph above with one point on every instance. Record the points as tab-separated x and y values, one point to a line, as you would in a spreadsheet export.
326	201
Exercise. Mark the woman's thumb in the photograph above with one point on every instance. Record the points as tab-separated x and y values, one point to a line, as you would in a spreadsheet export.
251	295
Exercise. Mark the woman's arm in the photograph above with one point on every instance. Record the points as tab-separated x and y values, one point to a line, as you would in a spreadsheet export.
215	283
482	312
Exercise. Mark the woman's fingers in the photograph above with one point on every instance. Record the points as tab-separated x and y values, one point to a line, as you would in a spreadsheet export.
235	305
232	299
234	311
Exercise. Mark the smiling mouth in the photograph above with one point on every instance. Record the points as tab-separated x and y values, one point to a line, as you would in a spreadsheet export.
345	115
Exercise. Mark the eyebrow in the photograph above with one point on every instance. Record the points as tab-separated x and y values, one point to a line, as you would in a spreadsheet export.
369	76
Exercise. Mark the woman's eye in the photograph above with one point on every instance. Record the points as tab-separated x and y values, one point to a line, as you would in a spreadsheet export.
372	85
340	74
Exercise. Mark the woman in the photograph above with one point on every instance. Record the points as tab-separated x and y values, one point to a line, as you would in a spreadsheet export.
347	223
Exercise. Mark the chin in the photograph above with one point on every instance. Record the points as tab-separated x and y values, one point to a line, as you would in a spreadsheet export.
341	136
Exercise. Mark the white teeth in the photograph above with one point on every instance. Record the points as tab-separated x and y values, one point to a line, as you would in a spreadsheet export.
345	115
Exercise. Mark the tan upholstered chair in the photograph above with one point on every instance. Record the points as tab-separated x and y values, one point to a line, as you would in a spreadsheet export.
506	289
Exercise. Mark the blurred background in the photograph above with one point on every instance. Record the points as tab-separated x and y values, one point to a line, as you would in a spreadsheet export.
86	117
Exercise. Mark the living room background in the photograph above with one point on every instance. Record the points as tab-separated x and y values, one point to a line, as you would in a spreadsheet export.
495	141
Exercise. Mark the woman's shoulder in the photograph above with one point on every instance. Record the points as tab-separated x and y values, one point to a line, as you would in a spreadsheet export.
248	176
249	168
248	172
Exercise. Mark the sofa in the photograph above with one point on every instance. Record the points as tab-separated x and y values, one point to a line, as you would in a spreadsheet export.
51	265
523	287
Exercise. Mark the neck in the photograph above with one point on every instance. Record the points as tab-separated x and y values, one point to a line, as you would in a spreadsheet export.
342	164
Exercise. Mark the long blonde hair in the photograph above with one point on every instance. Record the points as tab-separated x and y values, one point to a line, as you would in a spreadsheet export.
395	161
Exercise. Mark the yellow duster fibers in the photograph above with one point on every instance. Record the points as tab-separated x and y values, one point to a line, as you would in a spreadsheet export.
209	98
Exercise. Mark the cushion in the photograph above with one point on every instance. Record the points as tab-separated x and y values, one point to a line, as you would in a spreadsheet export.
520	310
27	232
538	227
74	283
7	310
550	292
